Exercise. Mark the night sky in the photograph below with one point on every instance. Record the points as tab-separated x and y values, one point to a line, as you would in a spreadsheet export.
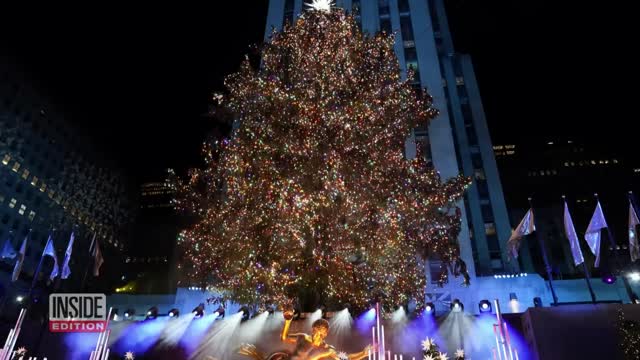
139	77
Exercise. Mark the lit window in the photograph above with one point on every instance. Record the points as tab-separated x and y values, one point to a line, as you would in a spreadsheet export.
490	229
566	164
34	181
615	161
600	162
593	162
510	152
554	172
23	208
25	174
542	172
32	214
510	146
498	147
606	161
6	159
16	167
13	202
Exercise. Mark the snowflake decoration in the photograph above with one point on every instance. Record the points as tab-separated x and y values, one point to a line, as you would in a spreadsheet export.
443	356
427	344
343	355
320	5
428	357
21	351
129	355
459	353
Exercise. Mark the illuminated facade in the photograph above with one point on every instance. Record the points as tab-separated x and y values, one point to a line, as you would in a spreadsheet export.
51	176
458	141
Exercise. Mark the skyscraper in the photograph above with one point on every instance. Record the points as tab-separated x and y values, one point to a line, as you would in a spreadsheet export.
458	141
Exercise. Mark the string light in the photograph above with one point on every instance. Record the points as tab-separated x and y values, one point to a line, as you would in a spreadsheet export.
313	193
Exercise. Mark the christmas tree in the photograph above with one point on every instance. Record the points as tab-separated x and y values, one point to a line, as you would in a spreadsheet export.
312	197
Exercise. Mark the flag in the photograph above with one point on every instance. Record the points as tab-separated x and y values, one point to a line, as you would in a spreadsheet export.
570	231
67	257
17	268
634	250
50	251
7	250
525	227
97	258
592	235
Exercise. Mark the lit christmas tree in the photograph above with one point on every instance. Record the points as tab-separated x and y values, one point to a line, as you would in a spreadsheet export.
312	197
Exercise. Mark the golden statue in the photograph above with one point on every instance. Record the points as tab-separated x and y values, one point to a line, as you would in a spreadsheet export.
307	347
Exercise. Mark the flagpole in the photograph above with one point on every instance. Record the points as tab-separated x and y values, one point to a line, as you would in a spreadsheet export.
612	242
545	258
89	262
35	274
587	276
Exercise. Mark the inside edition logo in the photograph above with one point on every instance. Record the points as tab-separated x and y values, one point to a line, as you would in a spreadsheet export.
77	312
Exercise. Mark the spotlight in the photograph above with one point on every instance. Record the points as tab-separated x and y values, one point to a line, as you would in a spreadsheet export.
198	311
246	313
537	302
220	312
457	305
485	306
430	309
152	313
129	313
609	279
513	297
174	313
634	276
19	298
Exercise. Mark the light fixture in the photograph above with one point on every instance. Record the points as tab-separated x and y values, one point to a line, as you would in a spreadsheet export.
634	276
19	298
174	313
457	305
513	297
484	306
198	311
152	313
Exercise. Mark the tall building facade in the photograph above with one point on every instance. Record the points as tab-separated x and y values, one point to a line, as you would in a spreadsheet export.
458	141
53	177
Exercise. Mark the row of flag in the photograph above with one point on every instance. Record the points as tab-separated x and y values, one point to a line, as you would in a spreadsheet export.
8	252
592	235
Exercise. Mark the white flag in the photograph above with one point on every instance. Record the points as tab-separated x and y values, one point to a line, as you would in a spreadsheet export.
525	227
97	258
570	231
66	271
634	250
17	268
592	235
49	250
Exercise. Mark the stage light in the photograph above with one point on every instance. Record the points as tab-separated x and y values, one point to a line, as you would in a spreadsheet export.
634	276
430	309
19	298
484	306
457	305
129	313
198	311
609	279
114	315
537	302
220	312
246	313
174	313
152	313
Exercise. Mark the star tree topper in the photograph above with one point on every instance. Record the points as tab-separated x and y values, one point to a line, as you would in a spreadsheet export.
320	5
